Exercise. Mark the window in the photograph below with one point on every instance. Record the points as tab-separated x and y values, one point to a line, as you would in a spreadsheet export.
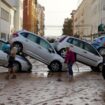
24	34
90	49
78	43
70	40
75	42
4	15
32	37
3	36
44	44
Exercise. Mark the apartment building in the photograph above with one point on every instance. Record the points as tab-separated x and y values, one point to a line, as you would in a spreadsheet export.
18	16
30	15
6	19
41	18
89	15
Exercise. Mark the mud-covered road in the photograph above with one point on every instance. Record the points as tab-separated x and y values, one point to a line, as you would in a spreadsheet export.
43	88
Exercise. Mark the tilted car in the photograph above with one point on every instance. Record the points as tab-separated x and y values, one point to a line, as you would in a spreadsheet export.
85	52
21	63
38	48
99	44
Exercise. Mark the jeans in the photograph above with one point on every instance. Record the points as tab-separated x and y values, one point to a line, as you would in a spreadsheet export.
70	69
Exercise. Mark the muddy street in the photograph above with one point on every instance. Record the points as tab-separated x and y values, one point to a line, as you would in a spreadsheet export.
43	88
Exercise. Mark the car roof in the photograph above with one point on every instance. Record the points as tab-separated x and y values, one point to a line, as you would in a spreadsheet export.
76	38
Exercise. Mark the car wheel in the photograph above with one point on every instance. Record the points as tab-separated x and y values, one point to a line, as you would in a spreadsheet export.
98	68
18	46
101	50
17	67
55	66
62	52
94	68
30	68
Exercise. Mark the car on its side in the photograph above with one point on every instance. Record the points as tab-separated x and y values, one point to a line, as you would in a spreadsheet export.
85	52
99	44
38	48
21	63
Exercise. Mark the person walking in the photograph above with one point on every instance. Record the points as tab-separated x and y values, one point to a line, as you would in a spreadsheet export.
70	58
11	60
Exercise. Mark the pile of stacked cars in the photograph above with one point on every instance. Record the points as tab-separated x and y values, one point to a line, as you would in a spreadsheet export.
40	49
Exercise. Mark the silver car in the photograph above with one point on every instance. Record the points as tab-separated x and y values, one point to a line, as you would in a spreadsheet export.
21	63
38	48
85	52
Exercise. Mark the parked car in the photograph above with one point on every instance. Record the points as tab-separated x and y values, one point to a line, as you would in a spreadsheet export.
21	63
85	52
99	44
38	48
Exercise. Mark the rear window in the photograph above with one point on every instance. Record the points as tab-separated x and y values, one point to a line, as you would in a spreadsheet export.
24	34
60	40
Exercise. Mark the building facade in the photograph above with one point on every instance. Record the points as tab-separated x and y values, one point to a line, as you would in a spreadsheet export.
6	19
30	15
89	15
18	16
41	18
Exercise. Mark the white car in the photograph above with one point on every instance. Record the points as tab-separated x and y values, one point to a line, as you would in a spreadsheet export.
21	63
85	52
38	48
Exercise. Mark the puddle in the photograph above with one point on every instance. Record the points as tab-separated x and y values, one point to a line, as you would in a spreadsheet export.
40	74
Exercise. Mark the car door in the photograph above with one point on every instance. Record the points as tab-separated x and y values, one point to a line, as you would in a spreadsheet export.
77	46
45	50
90	54
30	44
3	58
3	55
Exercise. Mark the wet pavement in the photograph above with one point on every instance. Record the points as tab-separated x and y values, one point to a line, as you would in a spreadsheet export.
43	88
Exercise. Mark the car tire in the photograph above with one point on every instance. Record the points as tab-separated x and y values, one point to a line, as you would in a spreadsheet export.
101	50
30	69
62	52
17	66
19	47
98	68
93	68
55	66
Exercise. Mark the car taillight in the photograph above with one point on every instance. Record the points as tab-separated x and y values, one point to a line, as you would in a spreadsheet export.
15	35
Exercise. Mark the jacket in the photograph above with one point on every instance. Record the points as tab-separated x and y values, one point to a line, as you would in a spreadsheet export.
70	57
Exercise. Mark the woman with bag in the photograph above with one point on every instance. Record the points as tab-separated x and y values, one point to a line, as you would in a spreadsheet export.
69	60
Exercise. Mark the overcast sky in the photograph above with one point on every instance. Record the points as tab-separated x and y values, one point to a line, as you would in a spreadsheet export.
55	13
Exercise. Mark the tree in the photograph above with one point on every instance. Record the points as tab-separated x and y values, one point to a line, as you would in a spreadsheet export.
68	27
